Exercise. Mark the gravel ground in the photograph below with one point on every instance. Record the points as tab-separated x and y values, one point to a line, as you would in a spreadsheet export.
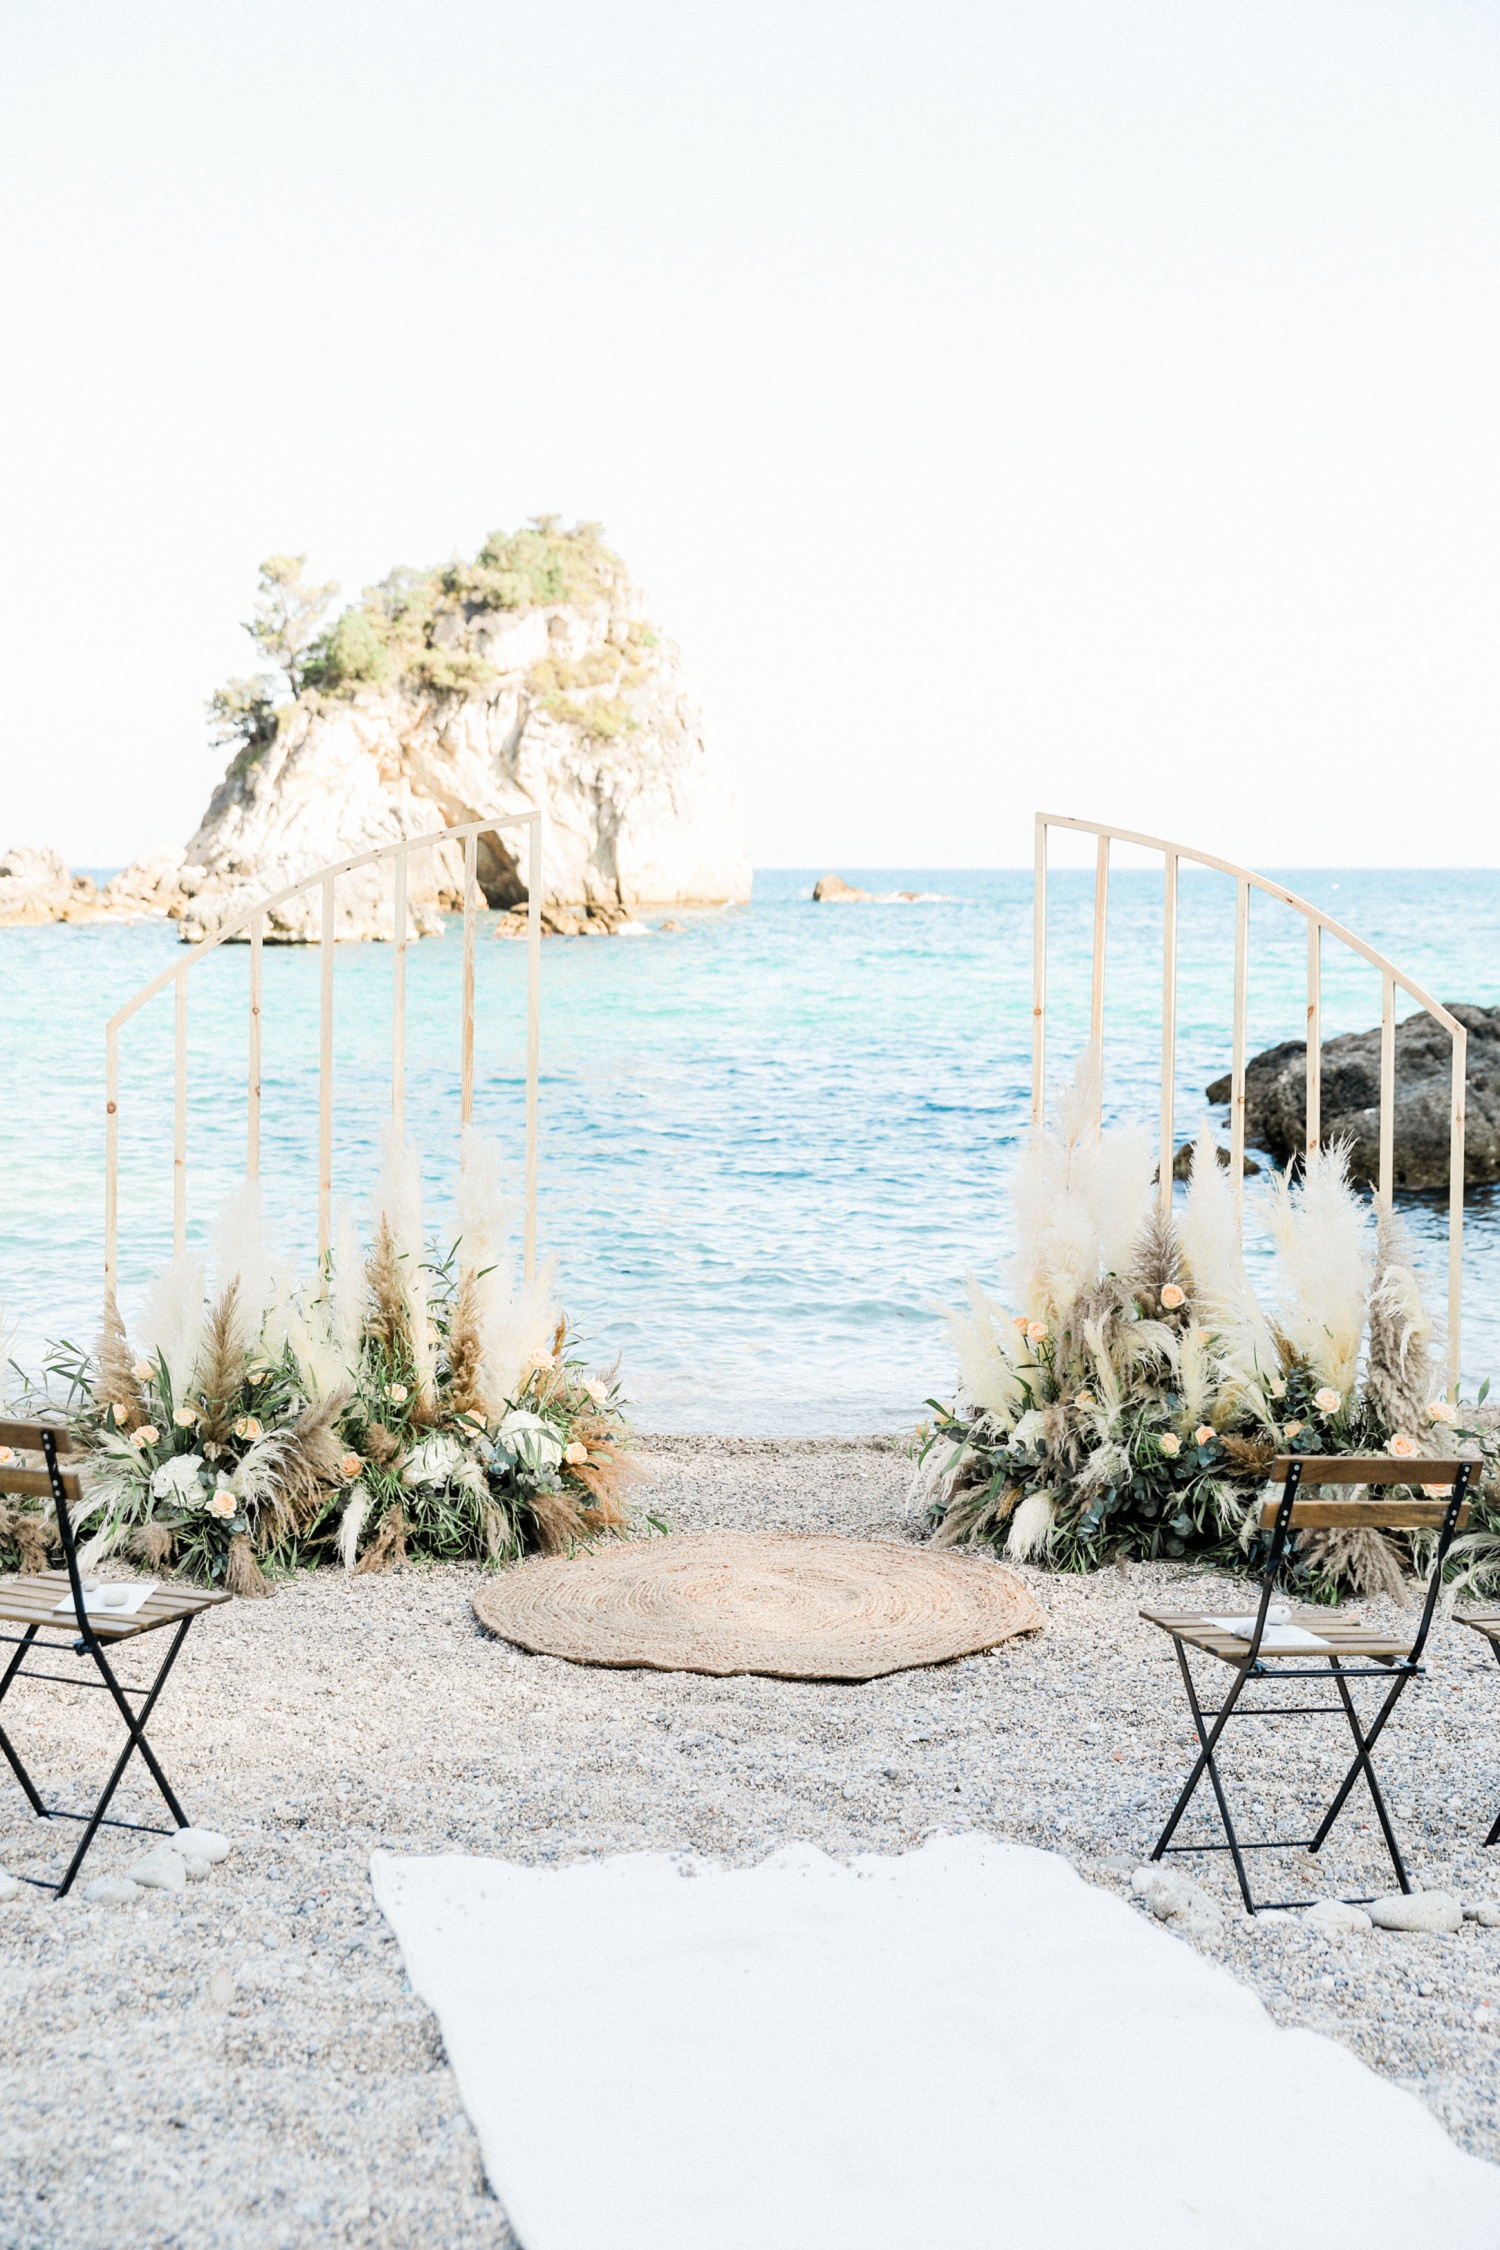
244	2063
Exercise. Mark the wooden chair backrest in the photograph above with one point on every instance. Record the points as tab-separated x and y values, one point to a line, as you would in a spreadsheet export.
1417	1510
26	1437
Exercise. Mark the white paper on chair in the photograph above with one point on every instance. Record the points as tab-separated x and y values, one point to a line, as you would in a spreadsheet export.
965	2048
97	1604
1274	1636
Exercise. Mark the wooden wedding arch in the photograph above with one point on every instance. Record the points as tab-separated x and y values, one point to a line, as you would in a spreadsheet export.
250	924
1318	925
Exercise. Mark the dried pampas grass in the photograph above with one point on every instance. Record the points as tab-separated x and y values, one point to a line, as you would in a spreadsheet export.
1081	1200
388	1547
242	1573
174	1320
396	1215
115	1381
1320	1231
1208	1231
1404	1371
221	1369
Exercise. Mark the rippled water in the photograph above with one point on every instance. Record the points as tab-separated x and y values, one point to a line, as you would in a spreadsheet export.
772	1145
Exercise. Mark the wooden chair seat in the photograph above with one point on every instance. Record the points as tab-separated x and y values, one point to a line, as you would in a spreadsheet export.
1193	1627
1486	1621
33	1600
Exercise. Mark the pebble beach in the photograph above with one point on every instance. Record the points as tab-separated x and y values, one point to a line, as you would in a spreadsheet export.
243	2063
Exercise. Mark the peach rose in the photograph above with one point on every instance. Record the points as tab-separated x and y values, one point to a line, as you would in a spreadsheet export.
1170	1444
185	1417
396	1393
1087	1398
597	1391
1204	1434
1442	1410
248	1427
576	1454
1173	1297
7	1455
223	1503
143	1371
350	1465
147	1434
1293	1429
1037	1331
1327	1401
1018	1320
1403	1445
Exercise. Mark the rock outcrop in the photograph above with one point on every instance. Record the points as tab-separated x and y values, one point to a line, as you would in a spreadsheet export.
36	886
832	890
529	679
1276	1099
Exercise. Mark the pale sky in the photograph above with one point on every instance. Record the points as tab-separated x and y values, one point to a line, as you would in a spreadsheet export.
1071	402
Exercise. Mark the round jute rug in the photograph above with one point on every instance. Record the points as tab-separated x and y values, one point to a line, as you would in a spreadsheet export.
795	1607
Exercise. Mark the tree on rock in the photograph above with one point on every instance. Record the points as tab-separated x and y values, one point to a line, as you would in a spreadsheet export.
288	616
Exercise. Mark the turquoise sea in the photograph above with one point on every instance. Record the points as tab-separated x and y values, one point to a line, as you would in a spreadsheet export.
773	1145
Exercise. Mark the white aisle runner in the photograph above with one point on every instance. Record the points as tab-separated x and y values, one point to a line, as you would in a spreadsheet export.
967	2048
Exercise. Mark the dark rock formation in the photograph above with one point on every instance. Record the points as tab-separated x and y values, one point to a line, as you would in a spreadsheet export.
1276	1099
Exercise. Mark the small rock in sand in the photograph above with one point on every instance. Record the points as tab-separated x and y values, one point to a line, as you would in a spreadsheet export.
202	1843
1436	1911
1486	1912
1335	1914
1172	1898
221	1988
161	1870
9	1886
111	1890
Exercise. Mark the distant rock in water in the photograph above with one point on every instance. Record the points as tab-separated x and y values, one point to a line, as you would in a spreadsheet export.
1276	1099
36	886
832	890
530	678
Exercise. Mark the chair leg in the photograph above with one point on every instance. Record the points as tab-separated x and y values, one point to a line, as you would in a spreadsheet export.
135	1724
1364	1743
6	1745
1208	1764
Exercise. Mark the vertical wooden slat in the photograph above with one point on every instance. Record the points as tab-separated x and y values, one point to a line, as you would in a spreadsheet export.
179	1120
1101	929
325	1075
1039	977
1314	1037
252	1103
1387	1086
111	1154
1456	1112
1237	1066
398	1000
1168	1029
466	1044
533	1030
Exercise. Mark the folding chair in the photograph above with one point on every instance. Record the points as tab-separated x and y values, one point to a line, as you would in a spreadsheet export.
32	1603
1312	1646
1487	1622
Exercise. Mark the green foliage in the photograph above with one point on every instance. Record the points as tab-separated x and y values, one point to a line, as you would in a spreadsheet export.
242	715
288	614
601	720
411	627
352	654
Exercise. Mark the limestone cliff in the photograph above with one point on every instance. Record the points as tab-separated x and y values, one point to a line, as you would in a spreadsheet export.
530	678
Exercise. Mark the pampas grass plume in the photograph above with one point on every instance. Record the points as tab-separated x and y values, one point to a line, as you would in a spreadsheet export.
175	1320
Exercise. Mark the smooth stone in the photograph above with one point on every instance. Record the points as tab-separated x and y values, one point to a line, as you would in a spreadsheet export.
202	1843
195	1869
111	1890
161	1870
1438	1912
1171	1897
9	1886
1334	1914
1486	1913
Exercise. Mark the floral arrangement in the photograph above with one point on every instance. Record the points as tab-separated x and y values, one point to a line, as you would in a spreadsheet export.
401	1404
1136	1403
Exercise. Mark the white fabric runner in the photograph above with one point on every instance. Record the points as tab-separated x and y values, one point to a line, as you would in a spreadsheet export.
967	2048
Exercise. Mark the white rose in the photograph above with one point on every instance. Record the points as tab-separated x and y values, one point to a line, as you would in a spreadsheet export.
1327	1401
177	1481
531	1441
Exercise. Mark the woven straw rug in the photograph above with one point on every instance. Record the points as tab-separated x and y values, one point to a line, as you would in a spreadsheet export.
795	1607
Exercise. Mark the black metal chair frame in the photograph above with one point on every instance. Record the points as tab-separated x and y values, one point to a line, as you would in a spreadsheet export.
88	1644
1210	1725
